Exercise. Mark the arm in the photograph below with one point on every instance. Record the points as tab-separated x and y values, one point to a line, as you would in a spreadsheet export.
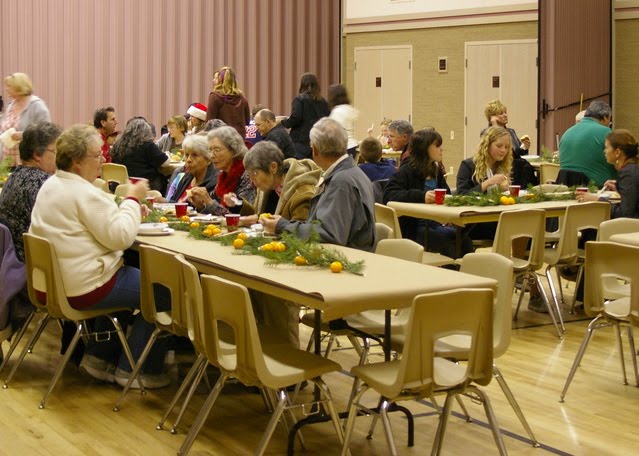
400	188
211	109
627	186
113	226
295	118
465	182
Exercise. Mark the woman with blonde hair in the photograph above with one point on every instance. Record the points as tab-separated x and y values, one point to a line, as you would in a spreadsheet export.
23	110
227	102
490	166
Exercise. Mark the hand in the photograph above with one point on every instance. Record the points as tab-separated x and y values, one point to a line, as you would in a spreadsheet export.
494	121
138	190
498	179
369	130
525	140
144	210
200	197
270	223
231	199
248	220
584	197
611	185
429	197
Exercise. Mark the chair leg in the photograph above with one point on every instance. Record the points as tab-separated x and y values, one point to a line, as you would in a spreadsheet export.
524	285
31	342
138	368
188	380
441	428
560	328
36	336
127	352
633	353
551	284
623	362
492	420
513	403
65	360
330	408
189	395
463	407
350	421
202	415
17	337
388	431
277	413
594	324
580	273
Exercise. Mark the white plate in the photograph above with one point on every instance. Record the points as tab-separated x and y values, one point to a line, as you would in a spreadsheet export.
164	232
611	195
208	218
146	228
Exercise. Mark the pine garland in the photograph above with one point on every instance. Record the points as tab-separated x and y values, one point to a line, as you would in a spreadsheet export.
496	198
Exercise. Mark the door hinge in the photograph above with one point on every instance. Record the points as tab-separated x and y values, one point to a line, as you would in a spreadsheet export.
465	63
355	66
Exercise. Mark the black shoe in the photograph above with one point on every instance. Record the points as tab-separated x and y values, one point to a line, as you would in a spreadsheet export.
569	273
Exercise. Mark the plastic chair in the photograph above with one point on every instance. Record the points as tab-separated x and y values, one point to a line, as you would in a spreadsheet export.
43	275
609	259
614	289
548	173
101	184
158	267
112	172
273	369
419	373
388	216
494	266
527	224
566	253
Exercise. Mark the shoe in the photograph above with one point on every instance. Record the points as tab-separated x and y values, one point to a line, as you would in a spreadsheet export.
150	381
537	304
519	282
98	368
568	273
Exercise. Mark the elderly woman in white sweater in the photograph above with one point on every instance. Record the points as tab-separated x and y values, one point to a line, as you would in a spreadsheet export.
89	232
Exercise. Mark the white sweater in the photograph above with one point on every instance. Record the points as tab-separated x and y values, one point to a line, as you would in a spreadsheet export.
346	115
87	228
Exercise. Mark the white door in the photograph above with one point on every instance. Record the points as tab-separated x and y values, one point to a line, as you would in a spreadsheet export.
383	86
506	71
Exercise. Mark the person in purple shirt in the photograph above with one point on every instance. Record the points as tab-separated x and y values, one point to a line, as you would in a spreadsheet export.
374	166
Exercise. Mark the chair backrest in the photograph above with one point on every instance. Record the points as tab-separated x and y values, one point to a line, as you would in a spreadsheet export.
387	215
621	225
527	223
404	249
112	172
606	260
499	268
101	184
193	303
578	217
433	316
548	173
43	275
378	190
161	267
229	302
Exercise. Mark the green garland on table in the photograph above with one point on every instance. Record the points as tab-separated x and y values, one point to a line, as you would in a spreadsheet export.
496	198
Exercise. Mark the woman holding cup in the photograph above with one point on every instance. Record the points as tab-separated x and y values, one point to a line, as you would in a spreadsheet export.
421	180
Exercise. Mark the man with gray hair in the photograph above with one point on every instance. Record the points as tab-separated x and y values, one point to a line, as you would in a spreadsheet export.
270	130
343	203
399	133
582	145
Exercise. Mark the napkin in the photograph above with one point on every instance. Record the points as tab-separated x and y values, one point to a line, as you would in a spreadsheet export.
6	139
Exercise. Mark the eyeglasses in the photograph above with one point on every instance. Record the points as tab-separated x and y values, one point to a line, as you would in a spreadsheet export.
52	150
216	150
98	155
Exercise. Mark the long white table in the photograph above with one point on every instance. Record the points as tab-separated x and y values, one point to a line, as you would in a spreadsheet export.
387	283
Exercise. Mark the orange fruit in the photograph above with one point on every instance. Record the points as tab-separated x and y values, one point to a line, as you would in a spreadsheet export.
511	200
215	231
208	233
265	215
279	246
243	236
238	243
300	261
185	218
267	247
194	225
336	266
164	219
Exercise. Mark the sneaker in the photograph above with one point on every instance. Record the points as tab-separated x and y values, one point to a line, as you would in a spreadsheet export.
537	304
98	368
150	381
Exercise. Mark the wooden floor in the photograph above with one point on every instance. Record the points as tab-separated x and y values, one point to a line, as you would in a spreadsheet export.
598	418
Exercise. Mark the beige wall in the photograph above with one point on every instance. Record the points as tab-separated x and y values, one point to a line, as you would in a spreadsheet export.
626	89
438	98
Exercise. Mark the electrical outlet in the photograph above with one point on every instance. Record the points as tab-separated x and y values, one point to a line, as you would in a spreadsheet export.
452	134
451	171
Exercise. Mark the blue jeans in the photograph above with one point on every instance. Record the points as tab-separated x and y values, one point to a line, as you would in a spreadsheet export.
126	293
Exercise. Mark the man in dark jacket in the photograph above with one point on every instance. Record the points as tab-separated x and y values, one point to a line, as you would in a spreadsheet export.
272	131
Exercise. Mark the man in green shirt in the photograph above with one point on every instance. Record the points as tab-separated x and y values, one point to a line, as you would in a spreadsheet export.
582	146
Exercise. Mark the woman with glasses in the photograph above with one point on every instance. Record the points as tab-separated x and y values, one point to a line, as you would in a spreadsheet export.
90	232
234	185
198	170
